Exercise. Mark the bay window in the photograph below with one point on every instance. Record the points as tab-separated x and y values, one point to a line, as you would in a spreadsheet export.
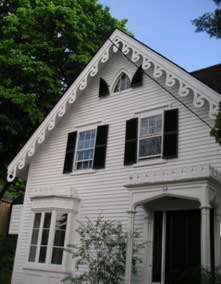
49	230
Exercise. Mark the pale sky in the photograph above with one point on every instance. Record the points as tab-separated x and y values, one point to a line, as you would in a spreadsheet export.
166	27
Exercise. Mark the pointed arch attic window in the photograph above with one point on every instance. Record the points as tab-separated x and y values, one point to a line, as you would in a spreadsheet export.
123	83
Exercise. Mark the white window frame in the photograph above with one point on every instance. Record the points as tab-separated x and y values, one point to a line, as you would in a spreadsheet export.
76	149
148	115
51	236
115	81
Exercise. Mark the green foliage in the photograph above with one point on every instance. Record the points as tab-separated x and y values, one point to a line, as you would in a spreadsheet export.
101	248
44	45
16	190
216	130
210	22
199	275
7	251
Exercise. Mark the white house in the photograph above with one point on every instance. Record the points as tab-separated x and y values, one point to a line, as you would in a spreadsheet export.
130	138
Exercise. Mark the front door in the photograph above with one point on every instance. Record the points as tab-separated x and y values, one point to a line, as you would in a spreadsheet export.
182	243
176	244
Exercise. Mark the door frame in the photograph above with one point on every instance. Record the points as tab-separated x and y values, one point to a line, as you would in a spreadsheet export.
163	254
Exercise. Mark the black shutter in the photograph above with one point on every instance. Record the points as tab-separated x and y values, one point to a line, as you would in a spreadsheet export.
103	88
170	139
70	150
137	79
100	147
130	152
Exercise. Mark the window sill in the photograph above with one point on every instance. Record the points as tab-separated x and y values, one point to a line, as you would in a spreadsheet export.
152	162
83	172
46	267
121	92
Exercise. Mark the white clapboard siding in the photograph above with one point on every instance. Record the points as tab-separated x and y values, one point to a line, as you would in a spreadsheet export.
15	219
103	191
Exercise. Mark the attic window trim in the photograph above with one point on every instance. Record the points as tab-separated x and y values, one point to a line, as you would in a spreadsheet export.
116	80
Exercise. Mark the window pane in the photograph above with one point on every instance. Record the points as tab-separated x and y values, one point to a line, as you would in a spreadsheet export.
32	253
59	238
86	144
61	221
37	220
150	147
47	220
151	125
79	166
85	149
85	165
40	230
57	255
123	83
82	134
44	239
42	255
88	135
34	238
80	145
92	135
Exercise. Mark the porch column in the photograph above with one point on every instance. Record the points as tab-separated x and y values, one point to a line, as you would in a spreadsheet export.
217	238
148	222
205	238
129	255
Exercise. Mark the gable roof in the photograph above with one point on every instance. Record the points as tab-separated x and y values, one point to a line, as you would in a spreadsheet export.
211	76
138	52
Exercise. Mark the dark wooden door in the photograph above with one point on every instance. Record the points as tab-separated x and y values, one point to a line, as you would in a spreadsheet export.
182	243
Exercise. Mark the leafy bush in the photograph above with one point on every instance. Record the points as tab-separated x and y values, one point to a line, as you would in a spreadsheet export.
7	251
199	275
102	248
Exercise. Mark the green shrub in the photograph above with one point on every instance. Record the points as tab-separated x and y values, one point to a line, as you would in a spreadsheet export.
7	252
199	275
102	249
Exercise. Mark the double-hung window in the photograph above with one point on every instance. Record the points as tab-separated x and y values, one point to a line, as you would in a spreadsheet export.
48	237
150	137
85	149
154	135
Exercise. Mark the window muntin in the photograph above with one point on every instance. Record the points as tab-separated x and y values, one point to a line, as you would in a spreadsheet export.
123	83
48	233
34	238
150	137
44	238
85	149
59	238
